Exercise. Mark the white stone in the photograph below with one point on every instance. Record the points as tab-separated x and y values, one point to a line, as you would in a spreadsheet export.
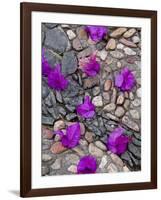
129	51
120	46
135	39
71	34
97	101
103	162
102	54
73	169
138	92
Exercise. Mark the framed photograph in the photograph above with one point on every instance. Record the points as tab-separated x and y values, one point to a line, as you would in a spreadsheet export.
88	99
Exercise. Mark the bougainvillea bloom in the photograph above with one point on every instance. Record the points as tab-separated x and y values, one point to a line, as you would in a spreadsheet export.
46	68
96	33
125	80
118	141
72	136
87	165
90	65
56	79
86	109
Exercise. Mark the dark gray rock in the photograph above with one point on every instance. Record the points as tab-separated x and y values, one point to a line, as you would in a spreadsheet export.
57	40
47	120
69	63
71	116
54	112
126	157
59	96
44	170
135	150
50	25
136	142
52	57
48	102
45	92
70	108
61	110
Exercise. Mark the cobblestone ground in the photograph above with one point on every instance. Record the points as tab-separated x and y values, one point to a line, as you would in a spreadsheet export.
66	44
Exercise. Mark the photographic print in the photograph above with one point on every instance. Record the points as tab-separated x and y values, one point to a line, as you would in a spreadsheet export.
88	99
91	99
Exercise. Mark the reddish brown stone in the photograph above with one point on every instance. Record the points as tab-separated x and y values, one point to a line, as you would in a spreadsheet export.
57	147
46	133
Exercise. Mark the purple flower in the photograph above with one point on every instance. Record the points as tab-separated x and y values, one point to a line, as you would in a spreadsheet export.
56	79
87	109
96	33
87	165
125	80
72	136
46	68
117	141
90	65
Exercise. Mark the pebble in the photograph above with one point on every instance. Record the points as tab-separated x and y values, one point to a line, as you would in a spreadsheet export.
136	102
85	53
82	34
97	101
47	134
104	161
125	156
131	96
77	44
129	51
82	128
57	164
83	142
127	43
106	96
46	157
71	116
95	151
126	104
135	150
111	44
45	170
100	145
90	82
59	96
79	151
138	92
119	111
112	168
58	125
129	33
110	116
102	54
89	136
114	95
117	54
73	169
116	160
134	114
71	34
135	39
131	124
107	85
120	46
96	90
57	147
119	65
71	158
110	107
47	120
125	169
120	100
118	32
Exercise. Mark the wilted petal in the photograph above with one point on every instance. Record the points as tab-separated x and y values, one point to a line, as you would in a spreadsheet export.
90	65
56	79
46	68
125	81
96	33
117	141
87	109
72	136
87	165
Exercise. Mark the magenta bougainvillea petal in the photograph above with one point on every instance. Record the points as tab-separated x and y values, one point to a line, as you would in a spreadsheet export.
118	141
71	138
87	109
90	65
87	165
96	33
125	80
46	68
56	79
